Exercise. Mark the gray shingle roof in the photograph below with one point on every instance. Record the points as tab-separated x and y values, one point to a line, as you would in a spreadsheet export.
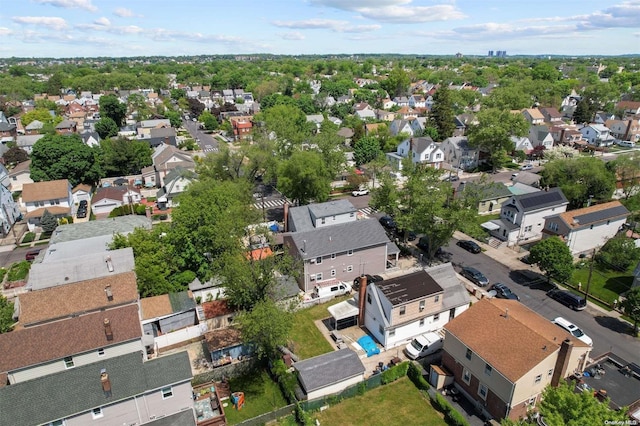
327	369
455	294
301	218
78	390
116	225
183	418
339	238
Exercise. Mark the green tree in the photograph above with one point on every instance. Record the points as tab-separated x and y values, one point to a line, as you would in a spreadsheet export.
493	132
441	116
174	118
137	105
631	307
106	128
580	178
121	157
561	406
110	106
303	177
618	253
627	170
290	126
553	257
366	149
15	155
330	146
41	114
6	315
584	112
48	222
267	326
209	121
397	83
65	157
55	84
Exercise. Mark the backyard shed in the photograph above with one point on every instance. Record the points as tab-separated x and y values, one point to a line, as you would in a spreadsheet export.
329	373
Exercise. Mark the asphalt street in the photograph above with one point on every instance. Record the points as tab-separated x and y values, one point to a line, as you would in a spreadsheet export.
206	142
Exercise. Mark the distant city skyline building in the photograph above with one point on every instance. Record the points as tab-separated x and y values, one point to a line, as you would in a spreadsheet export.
497	54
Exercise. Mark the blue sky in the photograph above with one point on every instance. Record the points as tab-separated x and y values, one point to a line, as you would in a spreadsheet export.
70	28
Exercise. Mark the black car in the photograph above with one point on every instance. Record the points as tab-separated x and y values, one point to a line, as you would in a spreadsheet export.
81	214
470	246
410	235
571	300
388	222
370	279
475	276
83	203
504	292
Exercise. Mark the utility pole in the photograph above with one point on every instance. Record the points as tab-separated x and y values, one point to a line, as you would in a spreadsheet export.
593	257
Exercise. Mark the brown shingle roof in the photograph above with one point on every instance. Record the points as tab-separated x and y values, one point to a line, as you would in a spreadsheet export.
569	217
223	338
54	210
155	306
21	167
112	193
56	340
216	308
82	187
488	324
84	296
43	191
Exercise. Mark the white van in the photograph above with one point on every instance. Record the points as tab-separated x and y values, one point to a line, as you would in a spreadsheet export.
424	345
336	289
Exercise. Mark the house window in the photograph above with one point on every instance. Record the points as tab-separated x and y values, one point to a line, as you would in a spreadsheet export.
333	256
57	423
553	226
333	272
319	276
550	373
318	260
101	352
466	376
532	401
96	413
528	228
381	329
422	302
421	322
350	268
538	379
351	214
68	362
437	298
482	391
349	252
436	317
488	369
403	310
167	392
468	354
392	333
322	221
368	298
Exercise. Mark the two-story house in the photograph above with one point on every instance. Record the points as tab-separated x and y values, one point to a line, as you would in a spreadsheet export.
624	130
8	130
20	175
398	127
502	355
551	115
66	127
421	150
417	100
398	309
54	196
165	158
539	135
364	111
629	108
522	216
588	228
533	116
9	210
175	183
333	245
459	153
597	135
565	134
145	126
241	127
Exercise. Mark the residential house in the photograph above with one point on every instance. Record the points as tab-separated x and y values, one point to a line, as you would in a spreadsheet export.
119	390
539	135
8	130
602	117
401	101
387	103
491	195
206	291
225	346
242	127
26	142
629	108
407	113
175	183
91	138
108	198
528	180
417	100
9	210
418	125
551	115
66	127
346	134
586	229
521	144
54	196
167	312
81	192
364	111
332	245
502	356
398	309
421	150
385	115
624	130
459	153
166	158
316	119
20	175
218	314
462	122
533	116
329	373
522	217
34	128
145	126
597	135
398	127
565	134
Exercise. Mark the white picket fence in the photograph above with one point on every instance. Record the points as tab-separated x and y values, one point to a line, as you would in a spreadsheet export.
181	335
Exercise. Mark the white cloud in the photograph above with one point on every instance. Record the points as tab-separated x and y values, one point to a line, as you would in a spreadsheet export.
5	31
394	11
123	12
293	35
326	24
70	4
623	15
357	4
102	21
45	21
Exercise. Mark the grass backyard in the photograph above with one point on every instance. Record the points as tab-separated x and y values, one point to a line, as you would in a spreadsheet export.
473	228
606	285
398	403
305	337
261	395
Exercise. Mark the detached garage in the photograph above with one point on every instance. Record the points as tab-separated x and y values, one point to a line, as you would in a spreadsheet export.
329	373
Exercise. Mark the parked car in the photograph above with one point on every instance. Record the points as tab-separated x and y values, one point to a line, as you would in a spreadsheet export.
572	300
424	345
527	167
470	246
475	276
83	203
331	290
81	214
411	236
504	292
370	279
573	329
627	144
359	192
388	222
31	254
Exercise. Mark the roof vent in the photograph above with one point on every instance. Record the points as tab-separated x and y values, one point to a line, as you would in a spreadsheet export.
105	382
109	263
107	290
108	332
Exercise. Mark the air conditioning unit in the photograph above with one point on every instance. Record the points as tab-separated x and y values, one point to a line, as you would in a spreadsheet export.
312	261
312	277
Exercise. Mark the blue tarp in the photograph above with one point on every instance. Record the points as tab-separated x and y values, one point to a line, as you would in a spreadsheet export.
274	227
369	346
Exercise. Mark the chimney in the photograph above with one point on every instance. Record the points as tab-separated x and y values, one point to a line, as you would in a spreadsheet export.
562	362
107	290
286	217
107	329
410	144
105	382
362	295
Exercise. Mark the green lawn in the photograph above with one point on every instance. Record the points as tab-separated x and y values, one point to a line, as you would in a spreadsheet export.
306	338
18	271
261	395
473	229
605	284
398	403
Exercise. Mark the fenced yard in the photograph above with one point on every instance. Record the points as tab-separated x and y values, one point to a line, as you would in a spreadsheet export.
261	395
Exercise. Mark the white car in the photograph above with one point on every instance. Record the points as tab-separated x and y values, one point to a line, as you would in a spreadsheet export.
573	329
360	192
628	144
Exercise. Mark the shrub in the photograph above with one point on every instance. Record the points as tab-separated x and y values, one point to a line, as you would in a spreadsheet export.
28	237
287	381
453	417
439	402
3	272
394	373
415	374
302	416
140	209
19	271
